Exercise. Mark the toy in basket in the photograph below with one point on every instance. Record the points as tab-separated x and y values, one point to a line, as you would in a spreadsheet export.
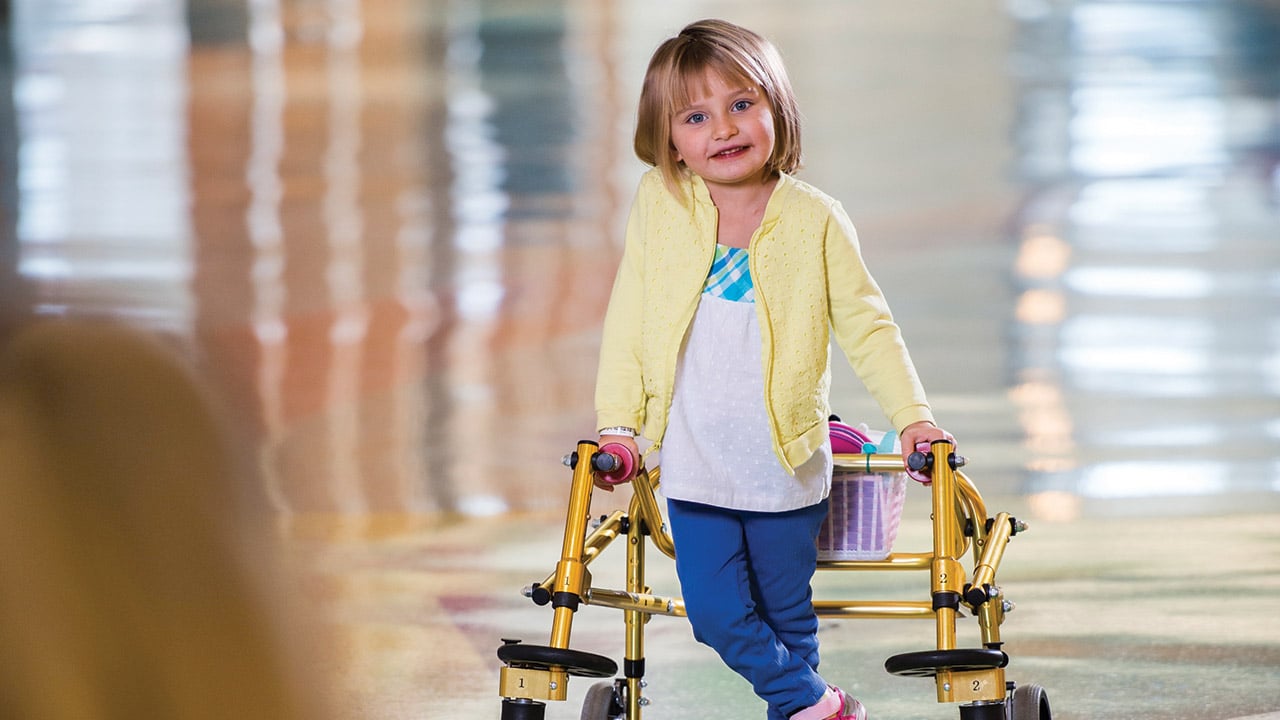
866	508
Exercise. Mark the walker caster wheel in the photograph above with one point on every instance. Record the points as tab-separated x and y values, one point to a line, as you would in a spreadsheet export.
604	701
574	662
927	663
1029	702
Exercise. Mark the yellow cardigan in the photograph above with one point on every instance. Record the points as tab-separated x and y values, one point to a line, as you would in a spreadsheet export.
809	280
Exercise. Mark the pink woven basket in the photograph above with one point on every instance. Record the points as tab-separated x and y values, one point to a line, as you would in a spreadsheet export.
863	520
866	509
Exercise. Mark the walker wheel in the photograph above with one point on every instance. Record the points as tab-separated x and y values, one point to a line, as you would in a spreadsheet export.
927	663
574	662
602	701
1029	702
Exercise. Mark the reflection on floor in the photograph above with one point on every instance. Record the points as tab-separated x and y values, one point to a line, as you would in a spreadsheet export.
387	231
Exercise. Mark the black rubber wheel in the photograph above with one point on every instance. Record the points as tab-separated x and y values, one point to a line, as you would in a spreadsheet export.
522	709
927	663
1030	702
601	702
983	711
574	662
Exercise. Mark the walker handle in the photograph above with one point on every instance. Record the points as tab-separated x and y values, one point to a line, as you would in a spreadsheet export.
605	462
918	461
614	462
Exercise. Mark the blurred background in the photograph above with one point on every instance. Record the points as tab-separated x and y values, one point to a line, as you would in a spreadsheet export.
385	231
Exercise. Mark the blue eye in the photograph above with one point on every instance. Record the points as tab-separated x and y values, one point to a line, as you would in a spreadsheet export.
696	118
741	105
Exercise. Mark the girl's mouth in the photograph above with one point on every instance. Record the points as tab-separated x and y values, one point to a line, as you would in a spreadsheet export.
732	152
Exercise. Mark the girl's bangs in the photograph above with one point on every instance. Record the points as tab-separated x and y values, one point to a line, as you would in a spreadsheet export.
689	78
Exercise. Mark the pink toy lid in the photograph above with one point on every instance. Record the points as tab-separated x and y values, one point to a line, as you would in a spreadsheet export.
846	439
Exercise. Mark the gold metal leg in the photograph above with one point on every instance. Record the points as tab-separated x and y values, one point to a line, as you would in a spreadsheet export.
571	576
947	573
633	666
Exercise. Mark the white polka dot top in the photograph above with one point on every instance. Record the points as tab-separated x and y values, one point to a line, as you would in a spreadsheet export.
717	449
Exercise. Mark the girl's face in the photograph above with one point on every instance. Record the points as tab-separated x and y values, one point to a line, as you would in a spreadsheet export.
725	134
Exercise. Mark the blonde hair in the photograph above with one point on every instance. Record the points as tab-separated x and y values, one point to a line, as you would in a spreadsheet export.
737	55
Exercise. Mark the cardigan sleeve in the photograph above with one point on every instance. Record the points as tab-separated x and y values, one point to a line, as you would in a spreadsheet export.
864	328
619	395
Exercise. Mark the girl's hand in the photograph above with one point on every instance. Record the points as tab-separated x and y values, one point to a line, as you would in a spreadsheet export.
625	441
919	437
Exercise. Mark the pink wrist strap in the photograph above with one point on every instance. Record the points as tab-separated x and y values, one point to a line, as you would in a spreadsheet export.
626	465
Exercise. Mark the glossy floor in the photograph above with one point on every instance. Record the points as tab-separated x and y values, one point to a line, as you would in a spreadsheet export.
388	229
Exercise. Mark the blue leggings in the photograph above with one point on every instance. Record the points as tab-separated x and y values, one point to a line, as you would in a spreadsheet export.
745	581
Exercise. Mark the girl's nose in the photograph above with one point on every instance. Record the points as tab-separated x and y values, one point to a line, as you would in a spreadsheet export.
725	128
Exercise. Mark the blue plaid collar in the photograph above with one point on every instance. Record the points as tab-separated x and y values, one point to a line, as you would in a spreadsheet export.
730	276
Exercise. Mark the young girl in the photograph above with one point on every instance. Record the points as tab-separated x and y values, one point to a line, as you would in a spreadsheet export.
715	344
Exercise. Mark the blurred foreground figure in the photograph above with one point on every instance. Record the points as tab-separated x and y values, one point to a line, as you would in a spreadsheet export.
133	583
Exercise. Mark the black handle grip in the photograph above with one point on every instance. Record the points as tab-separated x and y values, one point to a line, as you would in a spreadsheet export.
605	462
918	461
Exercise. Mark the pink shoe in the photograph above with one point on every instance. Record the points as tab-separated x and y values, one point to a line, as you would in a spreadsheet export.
850	708
835	704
